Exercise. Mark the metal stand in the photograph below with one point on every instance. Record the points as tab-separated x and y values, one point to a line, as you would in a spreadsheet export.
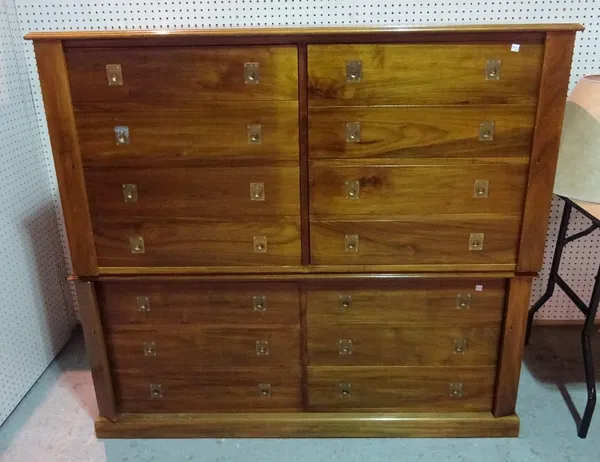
589	311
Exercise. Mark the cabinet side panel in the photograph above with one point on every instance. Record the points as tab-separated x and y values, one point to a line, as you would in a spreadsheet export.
511	347
551	108
56	93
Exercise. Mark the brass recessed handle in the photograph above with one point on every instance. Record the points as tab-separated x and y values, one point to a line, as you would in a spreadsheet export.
352	189
155	391
463	301
130	193
251	73
257	191
114	75
456	389
260	244
136	244
345	302
493	68
149	348
143	303
345	347
122	135
487	130
460	346
354	71
353	132
254	132
351	242
259	302
262	347
481	189
476	241
264	390
345	389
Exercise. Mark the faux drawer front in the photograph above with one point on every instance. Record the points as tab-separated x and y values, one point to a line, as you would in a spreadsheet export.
341	345
179	242
436	187
188	348
194	192
417	241
423	74
157	303
233	390
216	132
182	76
412	302
419	389
420	131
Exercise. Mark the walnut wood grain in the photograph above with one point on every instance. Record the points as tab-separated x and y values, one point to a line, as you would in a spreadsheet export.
282	33
416	389
54	80
511	351
417	240
376	345
215	133
552	99
228	390
406	302
186	348
398	131
177	243
440	188
423	74
202	193
311	424
182	77
95	344
303	127
181	303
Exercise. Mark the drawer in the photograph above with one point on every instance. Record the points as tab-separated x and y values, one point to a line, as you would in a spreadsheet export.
182	77
417	241
193	192
217	132
180	242
228	390
197	348
408	302
428	187
186	303
352	345
419	389
420	131
437	73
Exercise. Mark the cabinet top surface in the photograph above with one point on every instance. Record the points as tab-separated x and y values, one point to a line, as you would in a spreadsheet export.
299	32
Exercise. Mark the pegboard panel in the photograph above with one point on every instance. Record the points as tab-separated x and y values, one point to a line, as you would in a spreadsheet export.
35	316
146	14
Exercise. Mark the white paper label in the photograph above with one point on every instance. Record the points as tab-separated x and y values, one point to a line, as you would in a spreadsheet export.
515	47
478	288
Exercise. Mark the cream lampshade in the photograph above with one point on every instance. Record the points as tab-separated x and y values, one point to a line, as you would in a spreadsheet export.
578	170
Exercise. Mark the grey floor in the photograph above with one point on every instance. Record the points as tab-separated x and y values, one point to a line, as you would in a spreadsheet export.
55	422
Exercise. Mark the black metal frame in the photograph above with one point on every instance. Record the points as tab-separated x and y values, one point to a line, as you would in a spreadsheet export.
554	279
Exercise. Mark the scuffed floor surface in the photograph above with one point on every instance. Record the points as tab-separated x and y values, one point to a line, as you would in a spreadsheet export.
55	422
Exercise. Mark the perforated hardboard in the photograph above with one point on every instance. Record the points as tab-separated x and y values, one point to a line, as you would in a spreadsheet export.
35	317
580	258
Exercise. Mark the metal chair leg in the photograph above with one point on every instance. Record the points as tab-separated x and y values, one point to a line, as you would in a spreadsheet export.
558	250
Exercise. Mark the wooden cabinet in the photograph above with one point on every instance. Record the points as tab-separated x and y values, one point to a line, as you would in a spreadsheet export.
312	232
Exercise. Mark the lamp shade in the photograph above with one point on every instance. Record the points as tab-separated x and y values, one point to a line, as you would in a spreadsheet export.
578	169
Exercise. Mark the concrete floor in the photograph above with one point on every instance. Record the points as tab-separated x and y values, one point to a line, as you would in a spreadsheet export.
55	422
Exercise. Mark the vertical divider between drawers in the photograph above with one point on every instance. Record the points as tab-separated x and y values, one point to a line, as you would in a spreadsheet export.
303	131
